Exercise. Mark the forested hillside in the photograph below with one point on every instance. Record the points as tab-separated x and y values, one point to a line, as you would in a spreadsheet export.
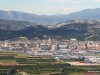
73	30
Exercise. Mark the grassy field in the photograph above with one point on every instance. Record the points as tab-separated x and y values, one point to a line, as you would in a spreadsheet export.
76	74
23	73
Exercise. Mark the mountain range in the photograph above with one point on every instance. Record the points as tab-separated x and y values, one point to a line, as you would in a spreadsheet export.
79	25
51	19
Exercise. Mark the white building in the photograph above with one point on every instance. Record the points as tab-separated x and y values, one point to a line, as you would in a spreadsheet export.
92	59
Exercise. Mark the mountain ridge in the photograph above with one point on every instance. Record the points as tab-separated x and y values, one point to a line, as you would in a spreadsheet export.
50	19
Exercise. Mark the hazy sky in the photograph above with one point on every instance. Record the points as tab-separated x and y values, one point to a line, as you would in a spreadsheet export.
48	7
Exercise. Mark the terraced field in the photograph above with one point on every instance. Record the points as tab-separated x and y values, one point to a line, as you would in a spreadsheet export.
39	65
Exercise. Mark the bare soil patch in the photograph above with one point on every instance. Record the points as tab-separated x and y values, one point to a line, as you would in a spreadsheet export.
8	63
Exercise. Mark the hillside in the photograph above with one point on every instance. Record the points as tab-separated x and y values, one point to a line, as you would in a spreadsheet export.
51	19
79	29
15	25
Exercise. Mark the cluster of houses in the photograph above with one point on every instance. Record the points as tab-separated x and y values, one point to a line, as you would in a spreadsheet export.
49	44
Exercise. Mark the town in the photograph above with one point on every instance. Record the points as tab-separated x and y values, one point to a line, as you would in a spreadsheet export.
49	45
62	49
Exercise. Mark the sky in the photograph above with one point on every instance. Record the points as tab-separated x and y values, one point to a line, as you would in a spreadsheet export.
48	7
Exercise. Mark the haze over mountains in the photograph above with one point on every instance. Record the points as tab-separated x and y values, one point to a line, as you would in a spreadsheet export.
52	19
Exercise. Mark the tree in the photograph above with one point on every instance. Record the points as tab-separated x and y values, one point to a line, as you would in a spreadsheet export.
13	71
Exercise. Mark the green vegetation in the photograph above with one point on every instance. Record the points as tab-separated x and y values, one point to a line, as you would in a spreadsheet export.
36	65
68	60
76	30
76	74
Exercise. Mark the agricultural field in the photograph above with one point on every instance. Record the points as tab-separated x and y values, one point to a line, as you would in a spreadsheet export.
76	74
39	65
